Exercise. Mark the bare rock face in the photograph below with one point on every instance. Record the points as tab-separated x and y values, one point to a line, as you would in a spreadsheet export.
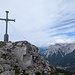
22	58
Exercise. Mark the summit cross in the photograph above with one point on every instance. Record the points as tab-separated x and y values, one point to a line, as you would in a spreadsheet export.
6	36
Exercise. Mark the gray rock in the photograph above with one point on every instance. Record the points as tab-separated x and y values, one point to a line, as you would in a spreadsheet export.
1	68
22	57
6	73
6	67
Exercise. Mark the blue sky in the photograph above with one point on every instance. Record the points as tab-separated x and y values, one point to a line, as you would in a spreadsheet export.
41	22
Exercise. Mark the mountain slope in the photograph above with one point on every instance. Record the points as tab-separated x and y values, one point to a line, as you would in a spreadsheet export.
68	61
62	55
22	58
63	48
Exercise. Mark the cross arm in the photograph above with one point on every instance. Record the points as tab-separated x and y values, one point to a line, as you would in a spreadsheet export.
7	19
2	19
11	20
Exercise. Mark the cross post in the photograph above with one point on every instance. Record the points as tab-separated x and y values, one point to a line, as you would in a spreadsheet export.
6	36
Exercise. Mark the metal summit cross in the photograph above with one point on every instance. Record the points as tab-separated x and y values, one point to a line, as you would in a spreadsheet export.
6	36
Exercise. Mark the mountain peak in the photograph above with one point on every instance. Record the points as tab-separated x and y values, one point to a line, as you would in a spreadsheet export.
64	48
22	57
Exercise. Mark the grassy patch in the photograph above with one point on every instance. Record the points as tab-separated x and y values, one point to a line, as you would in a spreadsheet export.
2	44
60	73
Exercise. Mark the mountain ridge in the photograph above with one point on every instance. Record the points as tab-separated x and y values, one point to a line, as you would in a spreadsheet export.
64	47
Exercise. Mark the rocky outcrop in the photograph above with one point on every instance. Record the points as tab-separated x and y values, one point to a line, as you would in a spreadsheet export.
22	58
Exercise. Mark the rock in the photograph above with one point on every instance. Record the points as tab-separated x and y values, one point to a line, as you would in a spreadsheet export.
21	58
6	67
1	53
1	68
6	73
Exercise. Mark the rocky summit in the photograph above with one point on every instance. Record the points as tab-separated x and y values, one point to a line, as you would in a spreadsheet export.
22	58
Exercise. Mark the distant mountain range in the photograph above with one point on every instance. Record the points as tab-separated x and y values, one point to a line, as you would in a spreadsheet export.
42	49
62	55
